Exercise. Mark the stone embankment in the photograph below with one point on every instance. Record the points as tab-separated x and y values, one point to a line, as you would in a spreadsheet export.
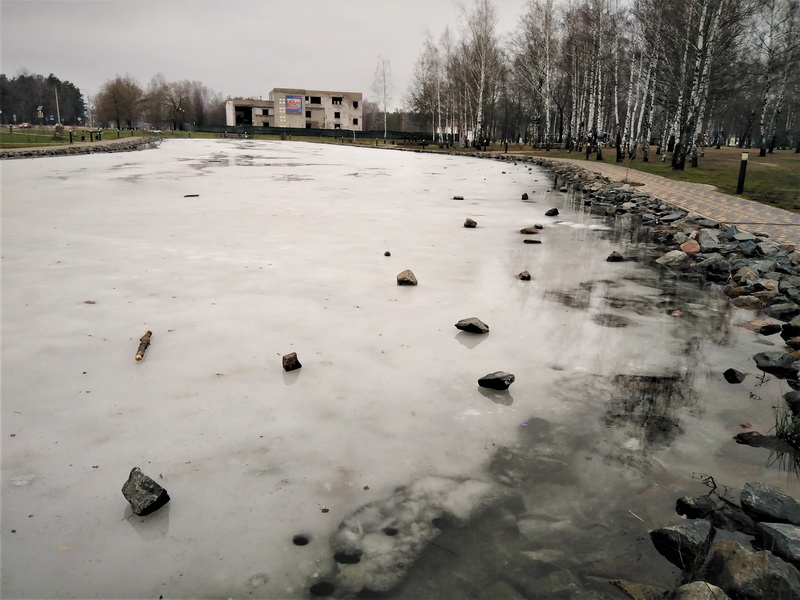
756	274
120	145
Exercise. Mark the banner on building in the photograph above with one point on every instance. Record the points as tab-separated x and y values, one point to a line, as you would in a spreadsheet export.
294	104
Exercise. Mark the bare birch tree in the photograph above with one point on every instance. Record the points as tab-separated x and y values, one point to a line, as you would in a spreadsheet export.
534	47
382	88
481	55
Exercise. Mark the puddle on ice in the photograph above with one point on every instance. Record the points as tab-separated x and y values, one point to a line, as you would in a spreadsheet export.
380	467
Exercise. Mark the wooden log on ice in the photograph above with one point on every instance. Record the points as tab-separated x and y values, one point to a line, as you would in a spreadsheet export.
144	342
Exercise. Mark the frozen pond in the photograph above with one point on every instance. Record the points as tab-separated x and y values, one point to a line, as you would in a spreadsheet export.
382	453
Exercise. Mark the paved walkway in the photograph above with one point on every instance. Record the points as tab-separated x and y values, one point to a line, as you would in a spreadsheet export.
781	225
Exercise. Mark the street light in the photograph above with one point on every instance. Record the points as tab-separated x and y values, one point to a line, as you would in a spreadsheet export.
742	172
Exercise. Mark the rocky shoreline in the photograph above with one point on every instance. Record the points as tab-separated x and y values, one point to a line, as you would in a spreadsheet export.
122	145
756	274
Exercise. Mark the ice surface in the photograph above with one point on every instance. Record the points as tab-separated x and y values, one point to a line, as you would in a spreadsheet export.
282	250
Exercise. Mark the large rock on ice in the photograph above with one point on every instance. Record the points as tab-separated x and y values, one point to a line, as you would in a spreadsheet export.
472	325
144	494
499	380
406	277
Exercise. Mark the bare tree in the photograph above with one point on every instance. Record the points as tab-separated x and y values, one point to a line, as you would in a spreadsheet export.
153	104
534	49
119	100
424	96
480	56
382	88
778	41
177	103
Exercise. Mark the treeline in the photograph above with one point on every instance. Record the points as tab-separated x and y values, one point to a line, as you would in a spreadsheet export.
21	97
123	103
595	71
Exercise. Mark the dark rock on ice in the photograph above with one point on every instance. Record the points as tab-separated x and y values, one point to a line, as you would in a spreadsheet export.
499	380
144	494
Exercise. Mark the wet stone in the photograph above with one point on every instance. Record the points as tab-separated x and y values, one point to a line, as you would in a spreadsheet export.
782	539
766	503
672	217
144	494
762	326
525	196
615	257
530	241
748	302
785	311
553	212
472	325
499	380
322	589
699	590
530	230
470	224
290	362
673	258
524	276
406	277
758	440
690	247
695	508
300	540
734	375
640	591
780	364
792	400
684	545
746	574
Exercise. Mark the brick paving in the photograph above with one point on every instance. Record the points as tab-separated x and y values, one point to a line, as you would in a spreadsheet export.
781	225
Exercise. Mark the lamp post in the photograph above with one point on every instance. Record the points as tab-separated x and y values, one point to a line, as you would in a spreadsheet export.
742	172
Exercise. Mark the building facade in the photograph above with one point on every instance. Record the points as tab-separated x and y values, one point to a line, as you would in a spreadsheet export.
249	113
299	109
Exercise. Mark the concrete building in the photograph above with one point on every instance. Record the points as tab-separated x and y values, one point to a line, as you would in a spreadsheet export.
249	113
299	109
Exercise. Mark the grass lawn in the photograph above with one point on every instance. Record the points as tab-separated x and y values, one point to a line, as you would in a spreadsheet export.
774	179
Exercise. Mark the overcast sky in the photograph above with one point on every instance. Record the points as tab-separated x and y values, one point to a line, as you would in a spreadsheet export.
235	47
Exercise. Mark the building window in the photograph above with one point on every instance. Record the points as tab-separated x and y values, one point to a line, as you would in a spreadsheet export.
308	114
355	103
306	98
355	121
308	125
314	100
336	100
337	126
337	115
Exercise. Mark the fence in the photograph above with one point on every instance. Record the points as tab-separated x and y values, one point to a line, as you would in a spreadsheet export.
285	132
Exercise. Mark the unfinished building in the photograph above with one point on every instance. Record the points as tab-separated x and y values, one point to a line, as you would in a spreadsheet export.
298	109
